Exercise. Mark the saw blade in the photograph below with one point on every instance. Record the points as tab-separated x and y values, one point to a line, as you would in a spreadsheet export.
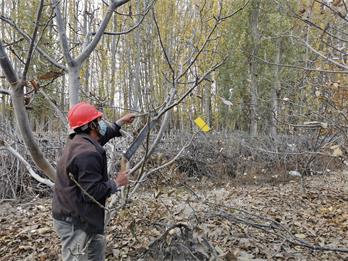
138	140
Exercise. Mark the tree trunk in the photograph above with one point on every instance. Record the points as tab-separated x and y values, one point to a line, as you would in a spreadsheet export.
255	5
307	62
207	102
130	92
74	84
113	50
62	93
275	91
86	29
137	69
3	96
27	135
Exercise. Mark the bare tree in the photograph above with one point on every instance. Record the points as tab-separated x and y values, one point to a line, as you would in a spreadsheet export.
17	96
74	64
73	68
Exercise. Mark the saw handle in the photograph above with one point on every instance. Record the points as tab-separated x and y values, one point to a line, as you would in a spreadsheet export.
124	167
124	164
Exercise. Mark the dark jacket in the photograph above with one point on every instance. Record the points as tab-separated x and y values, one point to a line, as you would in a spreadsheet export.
86	160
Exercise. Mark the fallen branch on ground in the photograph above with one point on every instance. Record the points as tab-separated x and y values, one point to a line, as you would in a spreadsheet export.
267	225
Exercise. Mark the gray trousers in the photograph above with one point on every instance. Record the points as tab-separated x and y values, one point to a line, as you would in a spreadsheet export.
77	245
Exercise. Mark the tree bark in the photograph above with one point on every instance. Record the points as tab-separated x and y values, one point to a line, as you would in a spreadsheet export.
3	96
74	84
255	5
86	29
275	91
137	69
113	49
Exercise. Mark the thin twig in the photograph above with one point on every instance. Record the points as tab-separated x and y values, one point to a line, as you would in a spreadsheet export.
162	45
140	180
87	194
134	26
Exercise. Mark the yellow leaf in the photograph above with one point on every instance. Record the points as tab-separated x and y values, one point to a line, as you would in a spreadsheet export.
202	124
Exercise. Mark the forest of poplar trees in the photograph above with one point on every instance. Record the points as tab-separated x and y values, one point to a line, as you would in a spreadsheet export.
269	78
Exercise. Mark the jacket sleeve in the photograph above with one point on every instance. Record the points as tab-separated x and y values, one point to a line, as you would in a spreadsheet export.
90	177
112	131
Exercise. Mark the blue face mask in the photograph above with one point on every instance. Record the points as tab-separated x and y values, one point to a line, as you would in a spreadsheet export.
102	127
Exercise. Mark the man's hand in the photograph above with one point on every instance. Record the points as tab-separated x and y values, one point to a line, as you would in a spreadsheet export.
126	119
122	179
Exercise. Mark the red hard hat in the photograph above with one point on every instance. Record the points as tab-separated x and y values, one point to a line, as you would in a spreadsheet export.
81	114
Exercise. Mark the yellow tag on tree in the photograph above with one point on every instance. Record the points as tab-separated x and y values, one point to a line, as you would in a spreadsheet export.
202	124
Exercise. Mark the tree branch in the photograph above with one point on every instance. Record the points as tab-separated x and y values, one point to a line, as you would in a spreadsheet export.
7	68
333	10
62	33
200	50
143	177
235	12
87	194
91	46
33	39
323	56
171	105
5	92
162	45
134	26
28	167
299	67
309	22
27	37
270	226
57	110
318	52
198	81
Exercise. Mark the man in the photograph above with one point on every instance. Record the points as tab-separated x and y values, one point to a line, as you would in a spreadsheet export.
82	181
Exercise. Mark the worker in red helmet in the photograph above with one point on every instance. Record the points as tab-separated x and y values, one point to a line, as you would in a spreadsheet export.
82	184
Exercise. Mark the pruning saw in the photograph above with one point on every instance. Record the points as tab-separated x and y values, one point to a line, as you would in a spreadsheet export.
127	155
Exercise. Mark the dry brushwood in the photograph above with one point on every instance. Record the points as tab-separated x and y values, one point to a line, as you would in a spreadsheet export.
238	154
213	155
178	242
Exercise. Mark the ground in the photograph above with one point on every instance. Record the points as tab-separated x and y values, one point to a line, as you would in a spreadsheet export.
202	219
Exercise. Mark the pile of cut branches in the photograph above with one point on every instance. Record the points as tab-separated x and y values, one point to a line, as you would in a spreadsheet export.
239	155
